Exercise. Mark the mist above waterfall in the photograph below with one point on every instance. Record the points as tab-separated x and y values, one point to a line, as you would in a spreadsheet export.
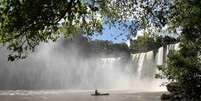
66	66
61	65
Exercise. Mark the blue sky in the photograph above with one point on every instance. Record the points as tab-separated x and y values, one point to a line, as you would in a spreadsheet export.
116	35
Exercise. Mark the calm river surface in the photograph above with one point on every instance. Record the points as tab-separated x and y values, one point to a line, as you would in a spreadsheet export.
61	95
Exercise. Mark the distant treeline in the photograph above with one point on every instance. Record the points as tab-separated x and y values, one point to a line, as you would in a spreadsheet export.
88	47
108	48
147	43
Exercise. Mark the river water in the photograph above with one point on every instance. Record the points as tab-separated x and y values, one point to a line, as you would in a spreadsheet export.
61	95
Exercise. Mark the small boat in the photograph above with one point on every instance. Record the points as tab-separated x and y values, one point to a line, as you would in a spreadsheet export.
102	94
96	93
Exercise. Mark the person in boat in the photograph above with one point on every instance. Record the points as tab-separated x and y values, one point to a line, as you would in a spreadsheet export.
96	92
99	94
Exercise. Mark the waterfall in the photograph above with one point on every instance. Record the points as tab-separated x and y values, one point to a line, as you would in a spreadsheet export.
53	66
143	61
172	47
176	47
140	64
159	56
147	63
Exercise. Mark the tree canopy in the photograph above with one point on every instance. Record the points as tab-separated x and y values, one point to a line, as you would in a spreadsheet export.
184	66
26	23
149	42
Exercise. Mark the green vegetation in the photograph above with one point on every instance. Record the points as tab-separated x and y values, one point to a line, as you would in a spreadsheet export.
26	23
88	47
184	66
107	47
149	42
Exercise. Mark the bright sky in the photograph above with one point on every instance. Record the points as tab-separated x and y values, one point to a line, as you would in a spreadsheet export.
119	35
113	34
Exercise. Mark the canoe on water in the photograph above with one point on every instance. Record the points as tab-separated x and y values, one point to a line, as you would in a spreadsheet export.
102	94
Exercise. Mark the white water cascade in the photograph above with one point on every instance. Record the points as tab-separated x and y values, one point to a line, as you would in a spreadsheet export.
53	66
142	60
160	56
56	67
147	62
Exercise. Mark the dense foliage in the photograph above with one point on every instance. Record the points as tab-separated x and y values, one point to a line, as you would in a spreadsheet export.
184	66
149	42
92	48
26	23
